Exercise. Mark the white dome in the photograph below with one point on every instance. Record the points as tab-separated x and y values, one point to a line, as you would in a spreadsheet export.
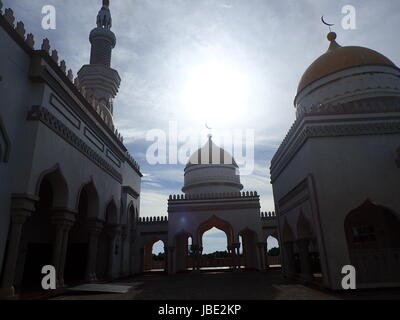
211	169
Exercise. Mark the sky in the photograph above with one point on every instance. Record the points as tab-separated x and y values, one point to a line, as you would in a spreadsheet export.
225	64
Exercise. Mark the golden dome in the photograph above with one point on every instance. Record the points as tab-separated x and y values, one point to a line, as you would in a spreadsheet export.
338	58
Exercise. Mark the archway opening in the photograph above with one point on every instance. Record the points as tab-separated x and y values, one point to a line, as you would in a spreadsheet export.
78	238
36	248
215	253
272	252
373	240
158	257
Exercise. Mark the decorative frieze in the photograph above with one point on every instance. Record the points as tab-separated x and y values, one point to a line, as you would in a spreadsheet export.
216	195
39	113
268	215
377	105
299	135
153	220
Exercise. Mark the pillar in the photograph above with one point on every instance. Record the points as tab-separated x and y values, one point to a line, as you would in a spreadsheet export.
289	259
114	232
132	239
124	235
305	259
236	255
22	207
196	257
166	259
63	219
171	268
95	227
261	255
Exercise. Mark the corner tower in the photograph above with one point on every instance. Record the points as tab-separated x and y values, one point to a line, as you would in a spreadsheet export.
98	78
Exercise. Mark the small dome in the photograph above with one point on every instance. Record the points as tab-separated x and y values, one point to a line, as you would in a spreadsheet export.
210	153
211	170
338	58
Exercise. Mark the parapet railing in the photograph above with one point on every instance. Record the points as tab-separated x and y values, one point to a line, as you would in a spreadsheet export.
152	219
214	195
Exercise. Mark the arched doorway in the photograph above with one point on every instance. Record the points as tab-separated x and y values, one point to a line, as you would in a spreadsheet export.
373	240
154	255
39	232
78	240
215	223
272	252
215	249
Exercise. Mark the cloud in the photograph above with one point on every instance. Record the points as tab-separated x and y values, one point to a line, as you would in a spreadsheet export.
271	42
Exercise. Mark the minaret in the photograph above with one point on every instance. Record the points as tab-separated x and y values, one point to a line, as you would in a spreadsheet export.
98	78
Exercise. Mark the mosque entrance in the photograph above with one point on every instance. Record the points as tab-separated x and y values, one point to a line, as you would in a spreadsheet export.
221	239
154	255
215	253
373	240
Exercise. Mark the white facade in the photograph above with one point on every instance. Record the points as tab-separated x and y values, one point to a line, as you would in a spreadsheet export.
70	191
335	177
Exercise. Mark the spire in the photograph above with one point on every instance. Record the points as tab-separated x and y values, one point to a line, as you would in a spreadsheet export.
332	38
98	78
104	19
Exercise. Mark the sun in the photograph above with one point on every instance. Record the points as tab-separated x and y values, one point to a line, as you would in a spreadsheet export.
215	93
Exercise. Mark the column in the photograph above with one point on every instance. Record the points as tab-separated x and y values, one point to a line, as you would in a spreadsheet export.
63	219
21	208
229	248
305	259
261	255
124	235
236	256
289	258
113	232
171	260
166	259
95	227
196	257
132	238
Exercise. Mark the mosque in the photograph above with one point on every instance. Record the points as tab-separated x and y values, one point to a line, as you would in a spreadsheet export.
71	190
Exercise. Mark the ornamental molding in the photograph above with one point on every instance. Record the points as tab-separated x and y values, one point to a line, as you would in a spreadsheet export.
129	190
38	113
300	132
213	207
371	105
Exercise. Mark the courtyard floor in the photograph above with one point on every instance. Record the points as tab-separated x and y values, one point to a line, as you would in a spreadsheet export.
224	286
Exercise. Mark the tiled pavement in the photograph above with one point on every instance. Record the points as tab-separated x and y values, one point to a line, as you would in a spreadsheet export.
225	286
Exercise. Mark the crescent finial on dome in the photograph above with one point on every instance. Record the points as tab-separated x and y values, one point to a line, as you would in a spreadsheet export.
332	38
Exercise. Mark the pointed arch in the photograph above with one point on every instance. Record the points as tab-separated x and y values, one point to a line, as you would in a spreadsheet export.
89	191
287	233
58	183
218	223
111	214
373	241
304	228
